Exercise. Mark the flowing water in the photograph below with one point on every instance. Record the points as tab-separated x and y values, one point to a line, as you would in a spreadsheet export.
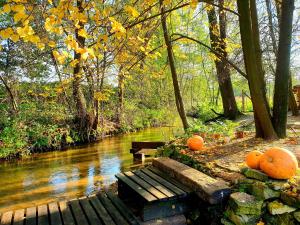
51	176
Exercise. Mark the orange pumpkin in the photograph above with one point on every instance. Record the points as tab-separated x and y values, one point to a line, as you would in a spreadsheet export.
278	163
253	158
195	143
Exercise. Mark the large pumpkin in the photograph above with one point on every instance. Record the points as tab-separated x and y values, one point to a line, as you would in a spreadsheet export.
278	163
195	143
253	159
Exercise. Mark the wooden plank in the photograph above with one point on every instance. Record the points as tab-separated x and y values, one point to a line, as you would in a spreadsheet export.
66	213
154	183
147	151
137	188
207	188
89	211
146	144
54	214
145	185
115	214
78	213
6	218
19	217
31	216
164	181
122	209
101	211
43	215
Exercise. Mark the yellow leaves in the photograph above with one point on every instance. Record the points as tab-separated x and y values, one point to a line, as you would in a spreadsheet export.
74	62
6	33
103	96
83	33
167	2
260	223
25	31
194	4
71	43
14	37
61	58
131	11
117	28
52	44
6	8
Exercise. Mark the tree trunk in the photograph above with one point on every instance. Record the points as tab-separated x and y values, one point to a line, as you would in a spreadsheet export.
178	97
292	101
12	100
84	120
120	109
282	76
264	127
217	39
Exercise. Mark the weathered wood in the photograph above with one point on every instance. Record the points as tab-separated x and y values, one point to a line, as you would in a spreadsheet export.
154	183
89	211
145	194
117	217
139	157
43	215
31	216
147	151
54	214
66	213
180	188
6	218
78	213
101	211
138	145
19	217
207	188
145	185
179	219
123	209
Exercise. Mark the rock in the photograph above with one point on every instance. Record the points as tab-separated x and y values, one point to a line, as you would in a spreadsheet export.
226	222
282	219
297	216
242	203
290	199
245	185
277	207
261	191
242	219
277	185
255	174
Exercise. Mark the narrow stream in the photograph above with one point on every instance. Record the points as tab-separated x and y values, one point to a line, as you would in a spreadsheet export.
81	171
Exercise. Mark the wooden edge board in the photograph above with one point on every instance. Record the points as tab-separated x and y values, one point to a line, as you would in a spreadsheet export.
31	216
19	217
78	212
101	211
134	186
145	185
167	182
6	218
66	213
42	218
130	217
170	179
115	214
54	214
92	217
169	193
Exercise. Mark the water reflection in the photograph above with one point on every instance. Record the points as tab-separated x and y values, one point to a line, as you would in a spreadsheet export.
53	176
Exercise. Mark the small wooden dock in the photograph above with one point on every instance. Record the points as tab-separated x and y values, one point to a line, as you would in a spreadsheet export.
101	209
142	149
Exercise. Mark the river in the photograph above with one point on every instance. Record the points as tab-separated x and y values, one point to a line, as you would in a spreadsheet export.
52	176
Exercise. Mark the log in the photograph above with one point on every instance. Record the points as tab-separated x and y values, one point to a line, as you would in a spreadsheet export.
207	188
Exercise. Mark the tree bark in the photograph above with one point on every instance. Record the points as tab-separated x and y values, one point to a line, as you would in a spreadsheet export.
217	34
264	127
282	75
178	97
120	109
292	101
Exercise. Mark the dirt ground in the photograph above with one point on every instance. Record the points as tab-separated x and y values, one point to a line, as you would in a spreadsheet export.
225	160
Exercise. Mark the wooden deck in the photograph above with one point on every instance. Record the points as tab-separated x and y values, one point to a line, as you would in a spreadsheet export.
105	209
153	194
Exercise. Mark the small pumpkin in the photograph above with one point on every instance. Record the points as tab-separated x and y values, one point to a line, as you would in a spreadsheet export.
278	163
253	159
195	143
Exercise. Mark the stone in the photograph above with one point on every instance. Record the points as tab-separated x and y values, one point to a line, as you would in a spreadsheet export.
207	188
282	219
245	185
277	185
242	219
262	192
290	199
226	222
277	207
297	216
255	174
243	203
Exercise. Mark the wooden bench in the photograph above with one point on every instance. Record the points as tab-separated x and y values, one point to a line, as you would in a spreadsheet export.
152	194
102	209
138	145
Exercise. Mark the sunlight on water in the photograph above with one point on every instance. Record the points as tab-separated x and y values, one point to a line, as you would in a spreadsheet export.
82	171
